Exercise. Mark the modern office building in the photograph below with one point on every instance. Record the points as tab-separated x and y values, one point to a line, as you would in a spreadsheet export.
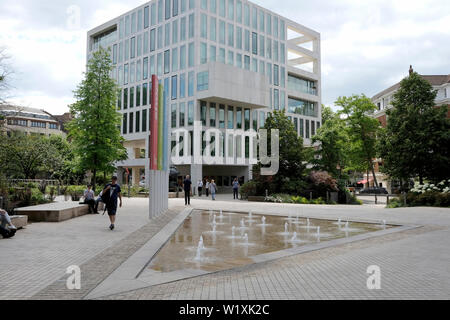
224	63
29	121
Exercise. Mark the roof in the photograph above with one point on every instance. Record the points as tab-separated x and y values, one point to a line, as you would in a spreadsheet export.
26	112
434	80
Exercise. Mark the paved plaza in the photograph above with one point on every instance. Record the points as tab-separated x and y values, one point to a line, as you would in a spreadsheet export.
414	263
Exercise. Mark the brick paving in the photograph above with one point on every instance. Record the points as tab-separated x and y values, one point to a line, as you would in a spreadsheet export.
415	264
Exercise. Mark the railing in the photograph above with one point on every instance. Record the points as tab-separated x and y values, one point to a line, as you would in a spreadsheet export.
18	181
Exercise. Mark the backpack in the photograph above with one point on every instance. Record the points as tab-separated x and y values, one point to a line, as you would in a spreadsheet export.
7	233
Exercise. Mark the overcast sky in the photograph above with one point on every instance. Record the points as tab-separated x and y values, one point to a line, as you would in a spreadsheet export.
366	45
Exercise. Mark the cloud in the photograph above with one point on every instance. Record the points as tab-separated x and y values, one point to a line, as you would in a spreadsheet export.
366	45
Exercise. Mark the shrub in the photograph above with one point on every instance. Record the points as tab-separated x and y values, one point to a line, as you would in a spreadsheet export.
248	189
428	198
395	203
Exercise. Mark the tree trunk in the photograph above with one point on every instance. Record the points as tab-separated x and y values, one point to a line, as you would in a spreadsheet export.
373	173
94	179
420	179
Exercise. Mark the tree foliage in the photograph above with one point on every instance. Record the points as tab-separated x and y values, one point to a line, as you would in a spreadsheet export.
332	139
362	131
94	129
290	177
416	141
25	157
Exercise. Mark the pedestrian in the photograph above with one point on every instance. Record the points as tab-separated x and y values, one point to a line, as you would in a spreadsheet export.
187	190
236	186
213	189
89	198
200	187
7	229
110	194
207	187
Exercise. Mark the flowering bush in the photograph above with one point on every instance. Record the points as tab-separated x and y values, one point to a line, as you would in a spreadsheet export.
441	187
323	179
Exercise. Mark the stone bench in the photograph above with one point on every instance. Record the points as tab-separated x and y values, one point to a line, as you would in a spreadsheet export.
19	221
54	212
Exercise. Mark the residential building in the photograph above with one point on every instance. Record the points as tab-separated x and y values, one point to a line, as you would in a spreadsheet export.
29	121
383	101
224	63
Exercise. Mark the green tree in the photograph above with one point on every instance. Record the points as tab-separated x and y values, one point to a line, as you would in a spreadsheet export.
290	176
416	141
26	157
332	138
94	129
362	131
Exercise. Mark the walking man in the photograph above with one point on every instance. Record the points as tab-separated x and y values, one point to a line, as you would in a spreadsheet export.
213	189
207	187
110	194
236	186
200	187
187	190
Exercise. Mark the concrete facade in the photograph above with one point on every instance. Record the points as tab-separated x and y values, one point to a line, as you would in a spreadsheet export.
224	63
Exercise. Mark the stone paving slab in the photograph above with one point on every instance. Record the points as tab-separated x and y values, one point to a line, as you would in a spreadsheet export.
332	273
94	271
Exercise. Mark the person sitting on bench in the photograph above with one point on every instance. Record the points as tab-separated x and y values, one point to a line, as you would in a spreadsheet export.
7	229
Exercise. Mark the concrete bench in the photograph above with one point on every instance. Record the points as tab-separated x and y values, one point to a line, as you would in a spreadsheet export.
19	221
54	212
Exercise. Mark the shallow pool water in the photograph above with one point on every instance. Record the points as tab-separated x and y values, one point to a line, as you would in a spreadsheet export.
226	247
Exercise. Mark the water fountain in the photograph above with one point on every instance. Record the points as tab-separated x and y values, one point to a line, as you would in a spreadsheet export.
200	248
294	237
242	223
246	239
263	221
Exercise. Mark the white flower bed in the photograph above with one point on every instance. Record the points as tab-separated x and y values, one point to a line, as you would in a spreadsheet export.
442	187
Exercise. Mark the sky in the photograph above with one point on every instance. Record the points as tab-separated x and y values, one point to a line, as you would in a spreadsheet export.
366	46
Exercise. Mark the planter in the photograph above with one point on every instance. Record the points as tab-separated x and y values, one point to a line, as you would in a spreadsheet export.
256	198
76	198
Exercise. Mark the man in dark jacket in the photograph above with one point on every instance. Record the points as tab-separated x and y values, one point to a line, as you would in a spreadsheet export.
187	190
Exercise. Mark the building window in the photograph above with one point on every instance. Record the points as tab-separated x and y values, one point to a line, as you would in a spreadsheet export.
231	35
231	9
182	85
246	62
247	40
307	129
191	26
174	59
212	53
254	43
131	98
183	29
125	98
202	81
302	134
304	85
247	119
204	26
222	32
203	112
230	117
138	96
212	115
255	120
221	116
174	116
303	107
144	94
167	9
144	120
125	123
146	20
138	121
238	118
174	87
191	53
191	84
182	114
131	122
190	113
203	53
166	61
175	8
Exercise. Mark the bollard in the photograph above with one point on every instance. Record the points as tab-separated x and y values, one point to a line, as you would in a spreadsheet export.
404	198
310	196
376	199
328	196
387	199
267	193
